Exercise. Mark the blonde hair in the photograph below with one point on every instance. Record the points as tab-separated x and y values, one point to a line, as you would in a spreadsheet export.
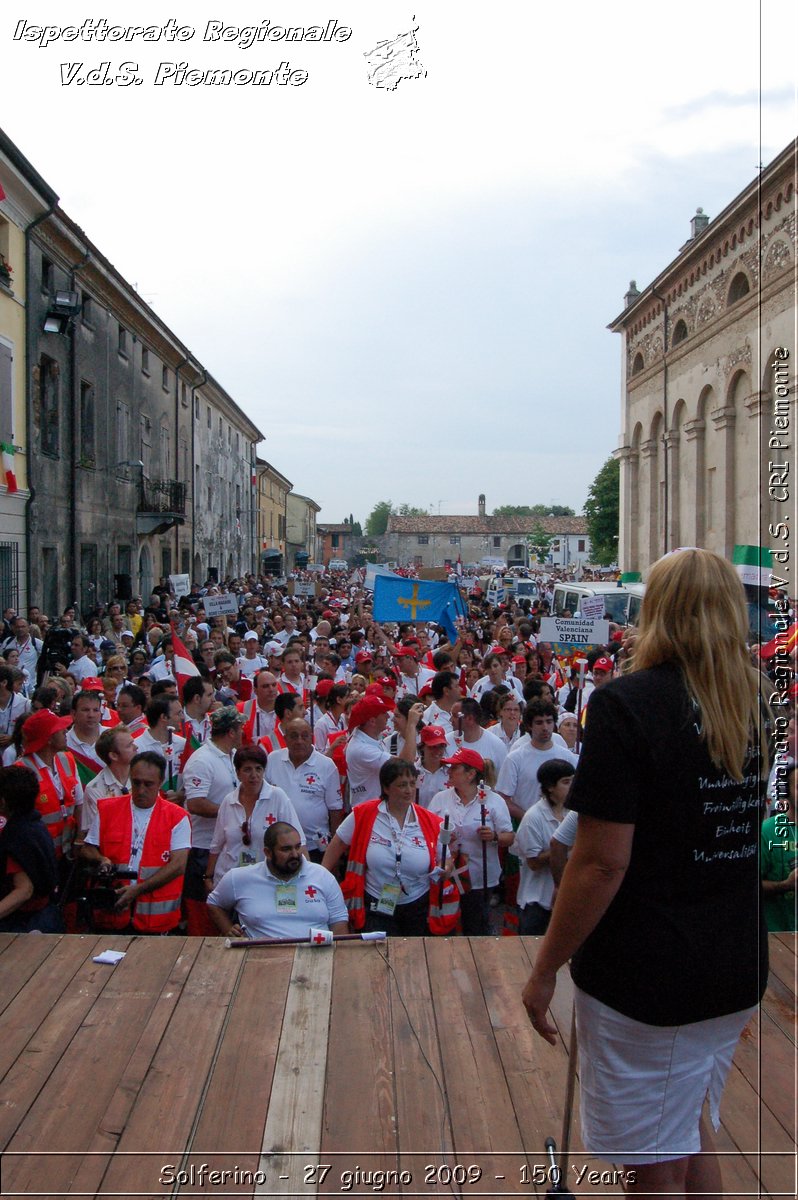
694	614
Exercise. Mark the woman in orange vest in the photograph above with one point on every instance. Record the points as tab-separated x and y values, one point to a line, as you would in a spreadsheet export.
392	882
148	834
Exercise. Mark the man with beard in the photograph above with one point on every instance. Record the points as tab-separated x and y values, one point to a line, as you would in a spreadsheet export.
284	896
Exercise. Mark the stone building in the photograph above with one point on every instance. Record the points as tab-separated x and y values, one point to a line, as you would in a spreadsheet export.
225	508
708	375
24	198
301	539
338	542
138	463
273	490
437	541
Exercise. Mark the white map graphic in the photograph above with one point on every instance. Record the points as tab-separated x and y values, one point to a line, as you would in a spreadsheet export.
393	60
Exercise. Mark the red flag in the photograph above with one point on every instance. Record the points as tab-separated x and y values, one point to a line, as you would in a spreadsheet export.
782	644
184	666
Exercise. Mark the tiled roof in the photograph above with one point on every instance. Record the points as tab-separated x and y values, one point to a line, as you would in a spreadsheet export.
486	525
325	528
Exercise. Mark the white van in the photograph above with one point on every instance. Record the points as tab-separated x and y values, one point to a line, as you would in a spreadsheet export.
568	599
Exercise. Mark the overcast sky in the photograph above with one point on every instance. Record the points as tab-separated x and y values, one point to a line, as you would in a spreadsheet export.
408	291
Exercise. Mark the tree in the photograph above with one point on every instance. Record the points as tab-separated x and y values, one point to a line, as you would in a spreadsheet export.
377	520
602	509
538	541
536	510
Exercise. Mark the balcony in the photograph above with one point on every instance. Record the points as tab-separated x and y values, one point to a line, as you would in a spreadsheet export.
161	505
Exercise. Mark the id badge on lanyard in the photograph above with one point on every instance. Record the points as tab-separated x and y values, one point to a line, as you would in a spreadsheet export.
285	897
389	898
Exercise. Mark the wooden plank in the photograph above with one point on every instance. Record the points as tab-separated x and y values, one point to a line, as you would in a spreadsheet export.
6	940
537	1072
790	940
230	1130
73	1065
360	1105
88	1177
294	1121
422	1117
767	1061
160	1125
25	955
485	1129
41	993
748	1128
783	964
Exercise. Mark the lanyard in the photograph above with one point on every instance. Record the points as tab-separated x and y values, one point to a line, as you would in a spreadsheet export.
398	841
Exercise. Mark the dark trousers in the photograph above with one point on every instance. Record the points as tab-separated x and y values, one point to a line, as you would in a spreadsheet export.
474	912
533	919
408	920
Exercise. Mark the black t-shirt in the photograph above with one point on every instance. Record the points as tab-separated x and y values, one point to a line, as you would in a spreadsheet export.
683	940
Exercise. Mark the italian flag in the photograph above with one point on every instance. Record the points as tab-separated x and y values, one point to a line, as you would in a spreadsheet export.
8	467
184	666
753	564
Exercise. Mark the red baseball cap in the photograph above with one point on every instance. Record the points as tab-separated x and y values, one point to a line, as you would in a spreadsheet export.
433	735
466	758
324	687
406	652
603	664
375	689
366	709
364	656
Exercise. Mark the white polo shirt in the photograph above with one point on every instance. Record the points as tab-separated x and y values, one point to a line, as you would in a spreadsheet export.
83	668
364	757
489	746
310	899
101	787
228	841
518	777
314	790
465	821
209	773
393	854
532	838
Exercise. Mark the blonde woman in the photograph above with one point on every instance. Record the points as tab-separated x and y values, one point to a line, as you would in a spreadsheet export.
659	903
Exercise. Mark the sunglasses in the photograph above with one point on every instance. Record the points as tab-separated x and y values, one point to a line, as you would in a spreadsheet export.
245	834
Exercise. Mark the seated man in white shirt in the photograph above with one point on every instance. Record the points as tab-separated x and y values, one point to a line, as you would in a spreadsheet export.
284	896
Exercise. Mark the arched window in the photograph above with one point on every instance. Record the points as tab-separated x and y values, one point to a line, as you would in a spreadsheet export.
638	364
679	332
739	288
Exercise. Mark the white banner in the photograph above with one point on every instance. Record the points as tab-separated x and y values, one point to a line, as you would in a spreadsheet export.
180	585
218	606
374	569
572	631
591	608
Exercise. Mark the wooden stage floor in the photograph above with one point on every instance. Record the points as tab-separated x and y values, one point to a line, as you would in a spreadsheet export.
272	1064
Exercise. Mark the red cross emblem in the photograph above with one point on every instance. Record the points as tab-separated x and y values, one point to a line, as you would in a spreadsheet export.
270	819
311	892
166	856
417	841
319	939
310	779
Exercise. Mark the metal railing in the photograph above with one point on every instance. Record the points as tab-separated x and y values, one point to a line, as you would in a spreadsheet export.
162	496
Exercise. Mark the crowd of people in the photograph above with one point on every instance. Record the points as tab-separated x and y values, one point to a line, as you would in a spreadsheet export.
285	711
292	768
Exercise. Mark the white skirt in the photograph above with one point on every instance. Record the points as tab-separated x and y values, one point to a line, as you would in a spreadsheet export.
642	1087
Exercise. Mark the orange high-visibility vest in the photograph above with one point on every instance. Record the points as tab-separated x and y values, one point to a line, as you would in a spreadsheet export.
249	709
57	815
444	905
153	912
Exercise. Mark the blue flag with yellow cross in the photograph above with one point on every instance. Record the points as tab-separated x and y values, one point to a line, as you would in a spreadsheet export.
398	599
